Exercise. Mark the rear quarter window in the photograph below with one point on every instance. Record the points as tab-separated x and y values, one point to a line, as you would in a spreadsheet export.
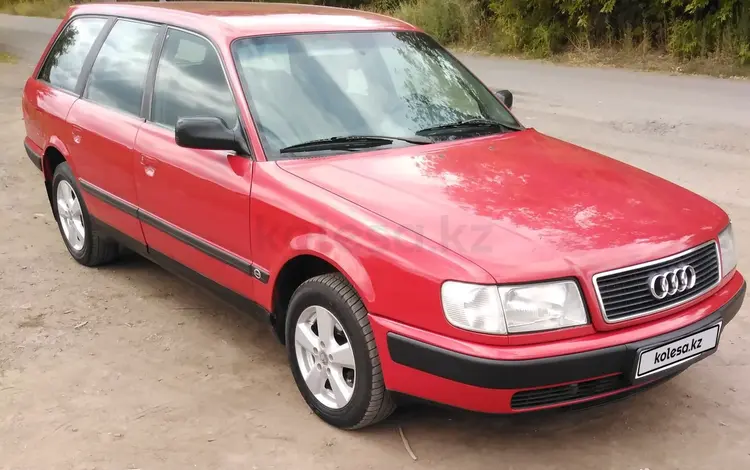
118	76
64	63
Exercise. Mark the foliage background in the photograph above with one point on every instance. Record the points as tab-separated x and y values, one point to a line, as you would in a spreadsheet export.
684	29
705	31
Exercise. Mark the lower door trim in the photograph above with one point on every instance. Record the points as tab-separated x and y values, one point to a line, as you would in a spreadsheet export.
246	266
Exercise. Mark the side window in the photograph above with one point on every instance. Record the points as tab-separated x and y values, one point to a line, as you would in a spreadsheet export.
65	60
119	73
190	82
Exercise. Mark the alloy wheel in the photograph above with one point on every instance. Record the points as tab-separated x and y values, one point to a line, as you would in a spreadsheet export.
325	357
70	215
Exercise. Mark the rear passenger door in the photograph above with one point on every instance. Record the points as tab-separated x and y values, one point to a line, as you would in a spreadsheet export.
105	120
194	204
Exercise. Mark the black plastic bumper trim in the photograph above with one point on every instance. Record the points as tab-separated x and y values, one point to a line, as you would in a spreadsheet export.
35	158
556	394
494	374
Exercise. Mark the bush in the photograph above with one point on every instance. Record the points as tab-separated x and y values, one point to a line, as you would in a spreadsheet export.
53	8
448	21
518	27
687	29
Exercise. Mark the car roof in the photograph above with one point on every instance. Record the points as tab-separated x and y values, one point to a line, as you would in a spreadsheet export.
238	19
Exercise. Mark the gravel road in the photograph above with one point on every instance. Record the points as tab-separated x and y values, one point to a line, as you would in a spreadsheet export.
127	367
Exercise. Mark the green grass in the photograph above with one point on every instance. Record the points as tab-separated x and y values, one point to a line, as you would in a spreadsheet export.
47	8
457	22
6	58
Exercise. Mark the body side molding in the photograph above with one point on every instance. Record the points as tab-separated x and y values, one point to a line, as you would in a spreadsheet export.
158	223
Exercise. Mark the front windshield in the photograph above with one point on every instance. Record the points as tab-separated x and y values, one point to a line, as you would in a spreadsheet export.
309	87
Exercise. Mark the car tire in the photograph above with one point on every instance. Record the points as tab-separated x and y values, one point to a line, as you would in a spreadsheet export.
369	402
94	249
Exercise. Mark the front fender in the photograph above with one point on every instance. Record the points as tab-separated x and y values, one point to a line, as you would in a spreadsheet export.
397	273
329	249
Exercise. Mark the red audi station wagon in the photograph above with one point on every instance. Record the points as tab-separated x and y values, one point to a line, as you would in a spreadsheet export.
406	235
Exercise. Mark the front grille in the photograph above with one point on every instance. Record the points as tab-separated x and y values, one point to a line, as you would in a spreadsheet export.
566	393
625	293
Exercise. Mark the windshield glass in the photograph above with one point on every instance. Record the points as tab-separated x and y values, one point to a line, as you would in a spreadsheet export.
309	87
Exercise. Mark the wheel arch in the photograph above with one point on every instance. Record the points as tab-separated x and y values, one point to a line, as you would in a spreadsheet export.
306	262
52	157
50	160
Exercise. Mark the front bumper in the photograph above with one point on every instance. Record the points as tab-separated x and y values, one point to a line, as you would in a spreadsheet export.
436	373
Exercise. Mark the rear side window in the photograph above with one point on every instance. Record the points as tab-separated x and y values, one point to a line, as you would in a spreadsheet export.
190	82
119	73
65	60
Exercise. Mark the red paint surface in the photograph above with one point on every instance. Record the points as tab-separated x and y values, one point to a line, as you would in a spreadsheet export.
397	223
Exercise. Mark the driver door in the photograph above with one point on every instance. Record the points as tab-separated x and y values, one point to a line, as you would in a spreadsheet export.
194	204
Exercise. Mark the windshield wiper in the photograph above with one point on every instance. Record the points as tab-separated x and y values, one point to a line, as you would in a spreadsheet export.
469	124
351	142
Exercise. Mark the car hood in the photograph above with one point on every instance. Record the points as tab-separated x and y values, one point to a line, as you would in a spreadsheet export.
522	205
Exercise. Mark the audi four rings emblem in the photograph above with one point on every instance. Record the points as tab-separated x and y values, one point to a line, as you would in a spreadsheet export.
670	282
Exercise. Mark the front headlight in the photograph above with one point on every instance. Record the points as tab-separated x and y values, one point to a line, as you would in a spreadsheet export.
539	307
513	309
473	307
727	249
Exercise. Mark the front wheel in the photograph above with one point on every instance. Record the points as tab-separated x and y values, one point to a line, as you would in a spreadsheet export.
333	356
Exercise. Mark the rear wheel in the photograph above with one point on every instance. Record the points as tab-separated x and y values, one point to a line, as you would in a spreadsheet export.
85	244
333	356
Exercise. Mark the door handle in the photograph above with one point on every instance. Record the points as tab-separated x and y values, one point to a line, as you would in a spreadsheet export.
76	134
146	160
149	165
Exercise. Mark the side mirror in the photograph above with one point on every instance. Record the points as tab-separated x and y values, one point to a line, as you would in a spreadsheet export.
506	97
208	133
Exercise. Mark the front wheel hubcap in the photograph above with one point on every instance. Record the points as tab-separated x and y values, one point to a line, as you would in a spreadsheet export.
325	357
70	215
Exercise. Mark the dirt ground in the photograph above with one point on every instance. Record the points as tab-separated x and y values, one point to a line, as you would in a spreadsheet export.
127	367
